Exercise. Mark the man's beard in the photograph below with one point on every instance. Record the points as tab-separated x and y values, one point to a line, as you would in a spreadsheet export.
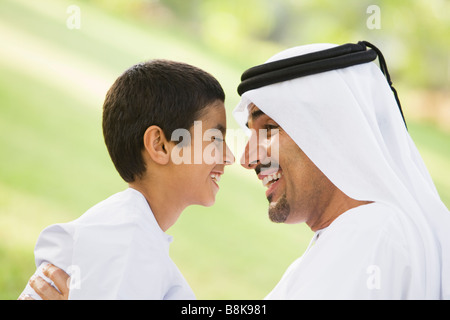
279	211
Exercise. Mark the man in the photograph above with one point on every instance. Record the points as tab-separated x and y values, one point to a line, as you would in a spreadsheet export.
349	169
337	156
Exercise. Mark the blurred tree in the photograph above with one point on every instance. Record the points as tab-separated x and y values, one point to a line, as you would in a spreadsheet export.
413	34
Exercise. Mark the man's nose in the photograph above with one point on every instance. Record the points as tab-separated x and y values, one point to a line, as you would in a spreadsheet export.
252	154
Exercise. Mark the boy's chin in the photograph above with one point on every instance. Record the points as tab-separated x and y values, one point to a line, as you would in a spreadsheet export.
206	202
210	203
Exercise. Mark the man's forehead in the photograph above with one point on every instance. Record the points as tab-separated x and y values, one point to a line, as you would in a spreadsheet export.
251	106
253	113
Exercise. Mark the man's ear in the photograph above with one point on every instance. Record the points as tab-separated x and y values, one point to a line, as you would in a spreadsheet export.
156	145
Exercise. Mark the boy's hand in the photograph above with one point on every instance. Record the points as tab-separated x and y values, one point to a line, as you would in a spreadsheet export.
45	290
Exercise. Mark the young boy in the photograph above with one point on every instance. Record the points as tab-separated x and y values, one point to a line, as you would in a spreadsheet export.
118	249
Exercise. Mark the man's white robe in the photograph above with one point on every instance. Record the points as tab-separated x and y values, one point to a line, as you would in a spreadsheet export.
363	254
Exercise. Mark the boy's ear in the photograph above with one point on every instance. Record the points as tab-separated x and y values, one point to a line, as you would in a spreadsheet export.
156	145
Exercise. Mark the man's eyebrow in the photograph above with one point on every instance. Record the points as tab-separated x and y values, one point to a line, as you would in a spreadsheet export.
255	115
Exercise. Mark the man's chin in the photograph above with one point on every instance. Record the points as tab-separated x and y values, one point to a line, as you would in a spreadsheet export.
279	210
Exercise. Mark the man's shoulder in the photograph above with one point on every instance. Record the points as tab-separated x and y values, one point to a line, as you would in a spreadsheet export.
373	215
372	222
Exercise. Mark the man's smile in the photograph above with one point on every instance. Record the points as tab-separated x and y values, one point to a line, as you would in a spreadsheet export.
270	179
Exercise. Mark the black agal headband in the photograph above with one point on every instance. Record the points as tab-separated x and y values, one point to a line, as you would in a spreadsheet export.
343	56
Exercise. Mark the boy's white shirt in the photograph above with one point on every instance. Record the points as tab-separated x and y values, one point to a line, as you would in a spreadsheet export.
116	250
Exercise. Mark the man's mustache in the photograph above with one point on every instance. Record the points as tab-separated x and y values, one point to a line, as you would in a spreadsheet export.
261	166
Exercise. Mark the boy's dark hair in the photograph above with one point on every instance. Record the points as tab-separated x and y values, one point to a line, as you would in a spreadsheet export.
165	93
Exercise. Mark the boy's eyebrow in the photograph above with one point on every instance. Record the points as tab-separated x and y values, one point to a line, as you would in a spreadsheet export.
221	128
255	115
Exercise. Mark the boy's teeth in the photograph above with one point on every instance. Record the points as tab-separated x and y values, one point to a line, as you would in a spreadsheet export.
215	177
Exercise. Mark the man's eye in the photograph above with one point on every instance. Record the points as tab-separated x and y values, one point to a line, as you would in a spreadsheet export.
270	126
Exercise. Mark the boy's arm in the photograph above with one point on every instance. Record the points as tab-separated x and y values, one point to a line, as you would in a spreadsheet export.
54	245
104	281
45	290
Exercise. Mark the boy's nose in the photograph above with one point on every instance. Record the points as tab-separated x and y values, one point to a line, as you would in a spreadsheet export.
228	156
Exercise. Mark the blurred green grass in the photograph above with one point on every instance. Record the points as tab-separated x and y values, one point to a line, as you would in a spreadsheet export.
54	165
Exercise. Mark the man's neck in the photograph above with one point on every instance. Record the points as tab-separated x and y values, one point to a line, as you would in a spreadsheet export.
338	204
